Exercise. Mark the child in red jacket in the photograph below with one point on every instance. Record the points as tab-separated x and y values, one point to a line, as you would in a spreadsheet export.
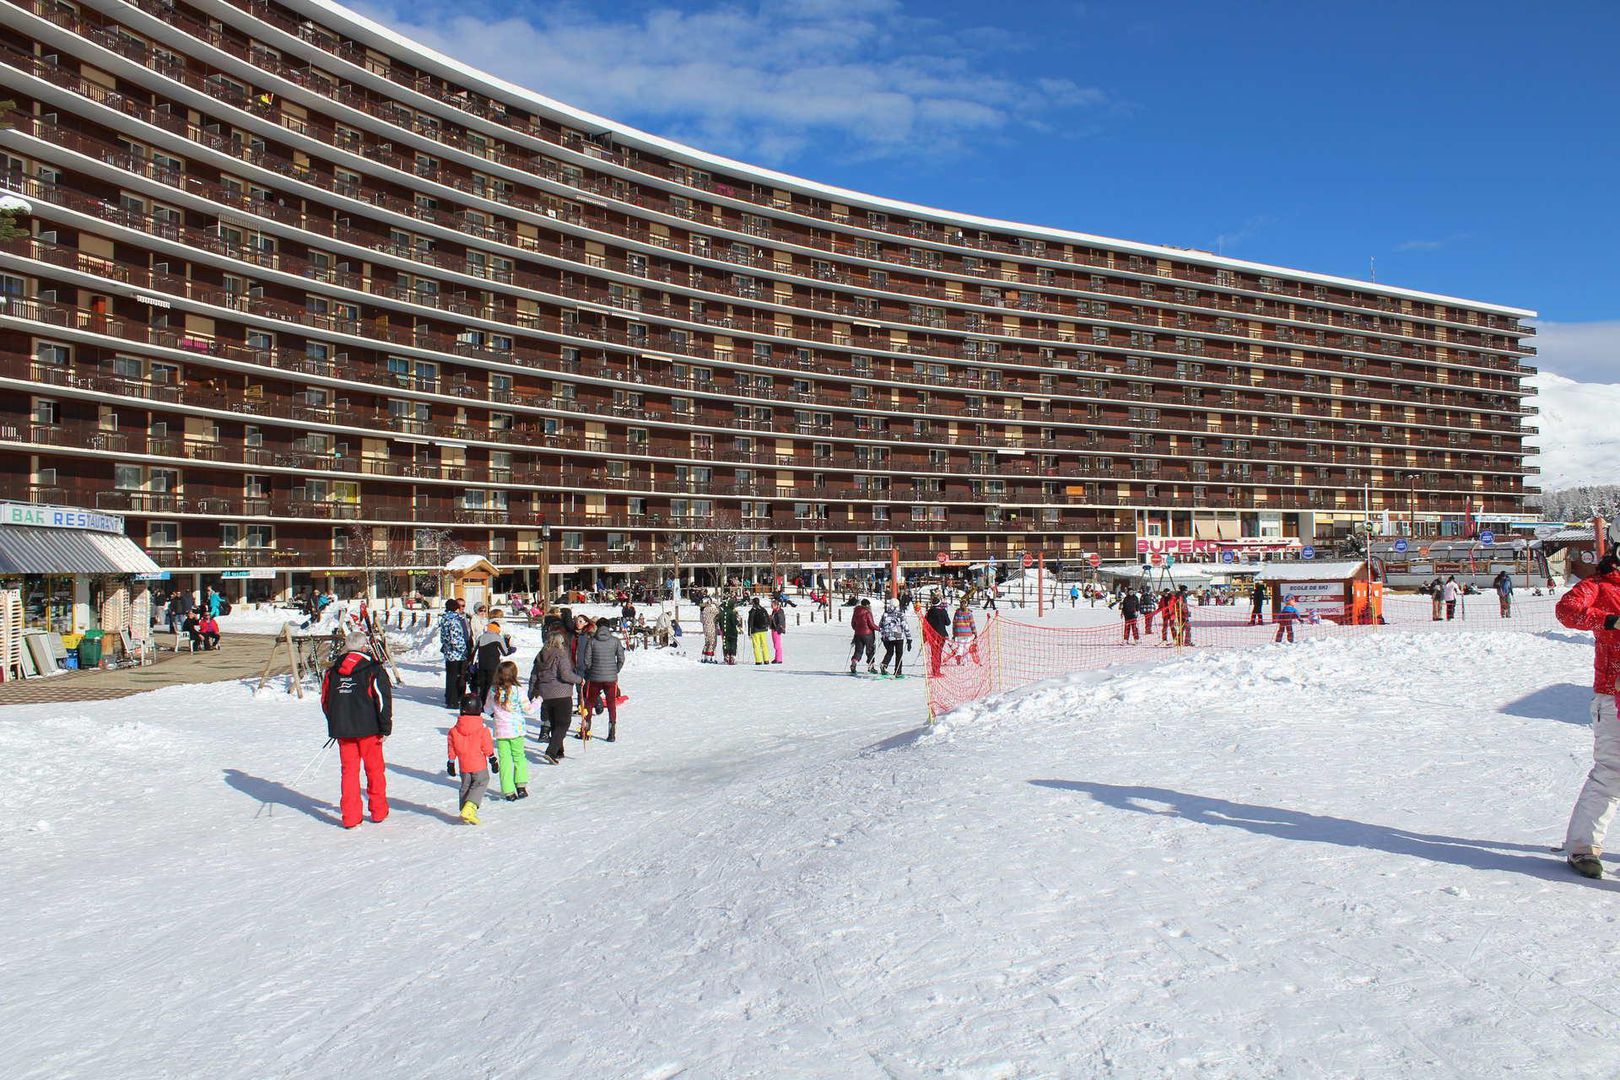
471	746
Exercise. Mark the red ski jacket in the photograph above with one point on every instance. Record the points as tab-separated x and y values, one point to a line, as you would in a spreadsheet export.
1584	608
861	622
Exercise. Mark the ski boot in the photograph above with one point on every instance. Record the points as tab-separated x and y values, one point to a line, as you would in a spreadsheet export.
512	797
469	813
523	793
613	732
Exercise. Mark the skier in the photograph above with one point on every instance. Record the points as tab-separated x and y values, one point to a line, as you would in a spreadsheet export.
508	712
1257	604
551	682
1150	604
778	628
709	615
1594	604
730	628
863	629
1286	616
938	632
359	707
469	748
1436	598
1504	593
602	660
1450	592
1130	606
1074	596
892	629
759	631
453	646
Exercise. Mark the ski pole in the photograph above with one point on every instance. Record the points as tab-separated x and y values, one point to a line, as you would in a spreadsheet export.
316	760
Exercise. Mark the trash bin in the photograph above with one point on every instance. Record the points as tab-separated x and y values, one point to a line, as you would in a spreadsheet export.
90	649
72	661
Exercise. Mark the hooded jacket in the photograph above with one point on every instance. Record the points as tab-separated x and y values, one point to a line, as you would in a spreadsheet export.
507	716
710	615
939	620
779	620
861	624
453	636
552	676
469	744
1585	607
602	656
892	626
491	648
356	698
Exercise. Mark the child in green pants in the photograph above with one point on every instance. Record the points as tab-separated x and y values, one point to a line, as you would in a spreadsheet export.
508	711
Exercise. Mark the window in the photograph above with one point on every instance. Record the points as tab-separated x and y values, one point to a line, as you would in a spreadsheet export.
163	534
47	352
127	477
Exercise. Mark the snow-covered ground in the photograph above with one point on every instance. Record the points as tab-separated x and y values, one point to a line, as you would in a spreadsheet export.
1324	860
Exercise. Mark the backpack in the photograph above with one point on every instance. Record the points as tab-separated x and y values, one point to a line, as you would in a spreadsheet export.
224	607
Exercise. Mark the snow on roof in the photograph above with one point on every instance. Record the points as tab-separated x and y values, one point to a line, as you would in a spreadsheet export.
464	562
1310	571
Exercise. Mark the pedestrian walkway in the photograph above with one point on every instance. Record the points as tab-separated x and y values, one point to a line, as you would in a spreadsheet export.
241	656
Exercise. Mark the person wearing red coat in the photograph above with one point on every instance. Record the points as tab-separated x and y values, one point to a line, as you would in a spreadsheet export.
1594	604
863	629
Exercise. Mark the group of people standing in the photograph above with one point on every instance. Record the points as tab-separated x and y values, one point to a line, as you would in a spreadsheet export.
724	622
1170	607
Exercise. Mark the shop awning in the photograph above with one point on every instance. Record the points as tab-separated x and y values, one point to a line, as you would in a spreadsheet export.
27	549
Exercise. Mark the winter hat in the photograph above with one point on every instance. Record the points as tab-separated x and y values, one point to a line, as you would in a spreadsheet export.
356	642
890	604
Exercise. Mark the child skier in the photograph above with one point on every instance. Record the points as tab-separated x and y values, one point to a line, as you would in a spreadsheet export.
508	711
892	630
1286	616
469	747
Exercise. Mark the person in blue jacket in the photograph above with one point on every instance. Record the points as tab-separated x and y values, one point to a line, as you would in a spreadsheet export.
1286	615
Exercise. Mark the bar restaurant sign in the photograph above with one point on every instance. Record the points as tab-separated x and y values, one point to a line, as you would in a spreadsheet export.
59	517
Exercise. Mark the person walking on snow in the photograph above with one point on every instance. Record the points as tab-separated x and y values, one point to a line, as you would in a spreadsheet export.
1504	593
892	630
1286	616
453	645
964	633
709	615
1074	596
1450	592
1594	604
602	660
863	637
1257	604
508	713
489	650
551	682
1130	606
938	632
359	707
469	748
759	632
778	628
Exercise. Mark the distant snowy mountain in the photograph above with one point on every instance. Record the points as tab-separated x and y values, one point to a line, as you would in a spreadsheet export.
1580	432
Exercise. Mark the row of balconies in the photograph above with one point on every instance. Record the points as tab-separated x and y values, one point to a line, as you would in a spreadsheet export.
496	113
466	308
66	76
96	322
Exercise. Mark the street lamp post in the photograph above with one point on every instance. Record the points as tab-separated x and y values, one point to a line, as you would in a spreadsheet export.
1411	503
545	569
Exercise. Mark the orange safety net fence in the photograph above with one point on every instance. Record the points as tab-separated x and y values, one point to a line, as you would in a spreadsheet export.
1007	653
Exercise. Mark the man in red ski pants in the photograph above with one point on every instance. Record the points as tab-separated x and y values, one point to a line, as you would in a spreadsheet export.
359	706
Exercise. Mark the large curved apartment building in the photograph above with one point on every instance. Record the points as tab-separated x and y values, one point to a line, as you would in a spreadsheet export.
287	274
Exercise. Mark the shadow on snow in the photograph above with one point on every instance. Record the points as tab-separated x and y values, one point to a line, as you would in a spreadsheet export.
1322	829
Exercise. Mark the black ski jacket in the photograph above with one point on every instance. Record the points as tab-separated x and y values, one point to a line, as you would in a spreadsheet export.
356	698
758	619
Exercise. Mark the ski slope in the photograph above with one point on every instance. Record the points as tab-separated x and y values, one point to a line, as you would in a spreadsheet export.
1324	860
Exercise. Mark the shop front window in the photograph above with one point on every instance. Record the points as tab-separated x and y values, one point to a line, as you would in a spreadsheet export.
48	603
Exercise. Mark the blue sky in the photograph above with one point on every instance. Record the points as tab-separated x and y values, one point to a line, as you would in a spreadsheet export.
1468	148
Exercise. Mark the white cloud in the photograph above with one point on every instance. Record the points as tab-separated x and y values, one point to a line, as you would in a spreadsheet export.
1584	351
765	80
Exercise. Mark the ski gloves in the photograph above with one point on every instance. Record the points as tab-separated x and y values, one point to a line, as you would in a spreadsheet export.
450	767
494	764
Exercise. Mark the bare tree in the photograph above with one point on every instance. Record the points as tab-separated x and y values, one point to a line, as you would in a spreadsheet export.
11	207
724	541
433	548
377	551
